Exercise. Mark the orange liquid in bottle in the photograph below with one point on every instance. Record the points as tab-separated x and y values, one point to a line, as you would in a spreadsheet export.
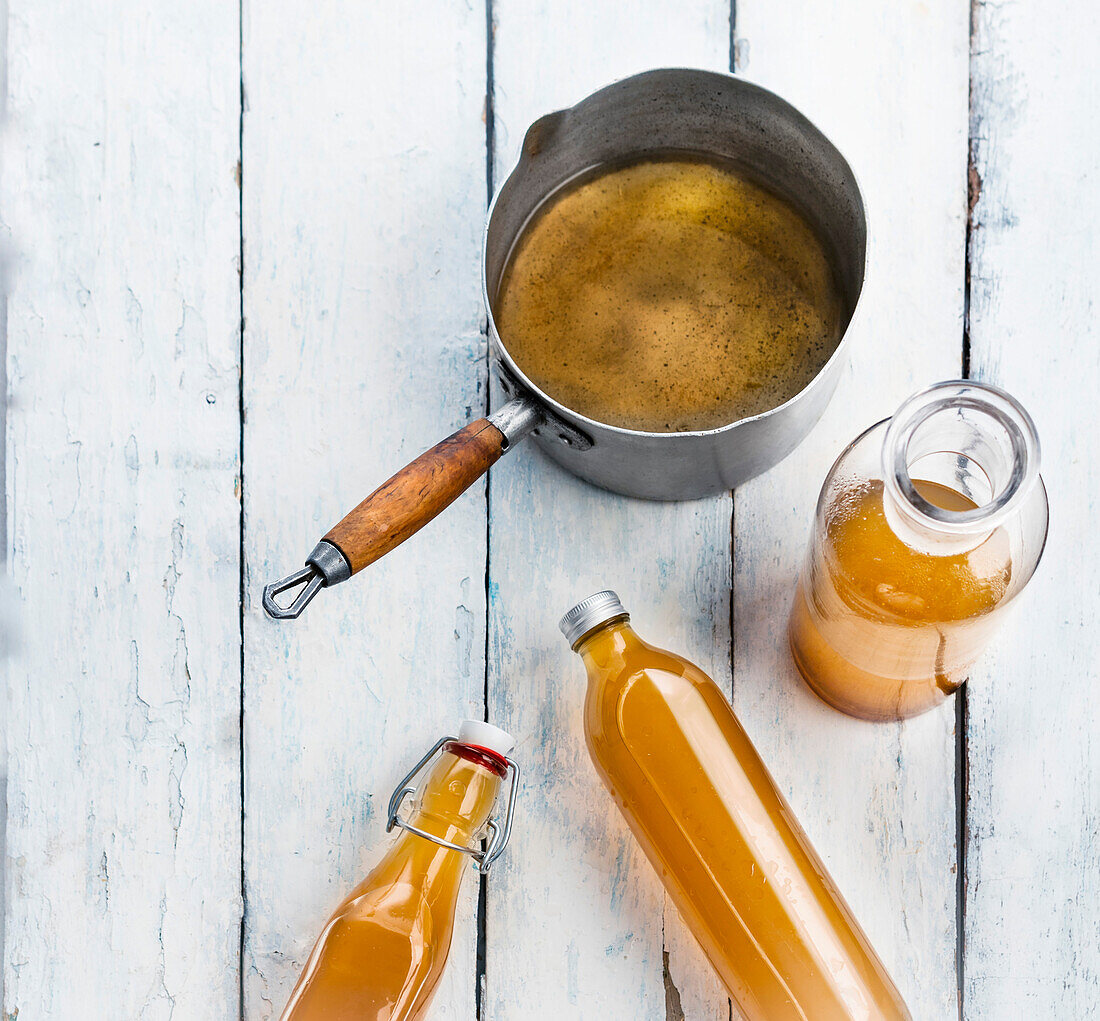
883	631
382	952
723	839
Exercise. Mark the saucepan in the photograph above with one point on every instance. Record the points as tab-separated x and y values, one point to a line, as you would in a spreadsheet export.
661	110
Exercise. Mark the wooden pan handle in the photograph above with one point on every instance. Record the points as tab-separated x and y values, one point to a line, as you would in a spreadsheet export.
407	502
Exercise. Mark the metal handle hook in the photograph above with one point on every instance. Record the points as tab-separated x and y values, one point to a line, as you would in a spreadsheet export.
311	581
325	565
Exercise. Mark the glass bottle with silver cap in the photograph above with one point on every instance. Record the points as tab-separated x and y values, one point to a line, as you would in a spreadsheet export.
719	833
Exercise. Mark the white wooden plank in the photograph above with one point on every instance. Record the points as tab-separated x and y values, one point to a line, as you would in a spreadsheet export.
576	916
123	430
888	83
364	197
1033	858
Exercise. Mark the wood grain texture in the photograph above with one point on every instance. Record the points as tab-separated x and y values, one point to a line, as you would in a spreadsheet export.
364	201
577	923
1032	946
123	840
888	83
407	501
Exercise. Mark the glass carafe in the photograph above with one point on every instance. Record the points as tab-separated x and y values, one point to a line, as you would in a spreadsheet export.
725	843
927	527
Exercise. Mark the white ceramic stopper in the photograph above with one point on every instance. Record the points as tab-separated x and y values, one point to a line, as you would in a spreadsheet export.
485	735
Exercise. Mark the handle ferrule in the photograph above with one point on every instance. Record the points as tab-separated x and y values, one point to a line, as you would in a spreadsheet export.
330	562
515	420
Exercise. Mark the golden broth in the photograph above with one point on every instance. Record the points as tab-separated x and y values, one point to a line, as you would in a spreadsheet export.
669	295
884	631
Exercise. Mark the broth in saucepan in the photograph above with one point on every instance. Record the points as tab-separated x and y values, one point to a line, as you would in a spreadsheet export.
668	295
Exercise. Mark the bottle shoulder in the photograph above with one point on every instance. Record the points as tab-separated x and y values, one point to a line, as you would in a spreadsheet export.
413	873
660	674
619	671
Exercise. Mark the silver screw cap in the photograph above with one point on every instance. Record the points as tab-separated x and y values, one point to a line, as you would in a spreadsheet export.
597	609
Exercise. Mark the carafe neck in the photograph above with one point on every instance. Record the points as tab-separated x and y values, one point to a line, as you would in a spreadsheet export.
970	438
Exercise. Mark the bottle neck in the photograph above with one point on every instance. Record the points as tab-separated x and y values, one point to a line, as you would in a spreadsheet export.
457	798
979	448
607	643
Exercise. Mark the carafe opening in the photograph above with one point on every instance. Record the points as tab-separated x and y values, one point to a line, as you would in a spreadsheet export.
969	439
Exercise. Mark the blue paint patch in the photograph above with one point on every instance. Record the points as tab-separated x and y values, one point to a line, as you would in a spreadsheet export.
619	877
618	948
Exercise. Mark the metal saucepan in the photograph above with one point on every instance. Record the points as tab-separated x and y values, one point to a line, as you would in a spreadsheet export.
670	109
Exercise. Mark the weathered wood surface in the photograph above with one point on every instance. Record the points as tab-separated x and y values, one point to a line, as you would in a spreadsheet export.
365	163
123	837
576	918
1032	933
877	800
364	198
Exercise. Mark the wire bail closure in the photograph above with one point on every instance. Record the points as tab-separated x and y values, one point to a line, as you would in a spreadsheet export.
498	835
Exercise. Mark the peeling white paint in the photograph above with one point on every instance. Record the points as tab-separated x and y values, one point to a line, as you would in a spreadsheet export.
1033	853
123	884
578	921
364	198
888	84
